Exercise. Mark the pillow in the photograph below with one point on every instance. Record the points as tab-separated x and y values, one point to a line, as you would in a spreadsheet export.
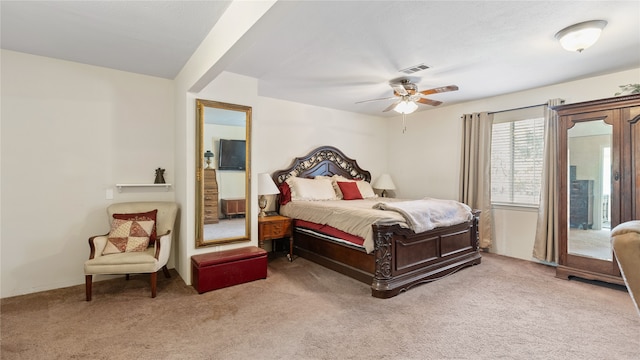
335	179
311	189
366	190
151	215
128	236
285	193
349	190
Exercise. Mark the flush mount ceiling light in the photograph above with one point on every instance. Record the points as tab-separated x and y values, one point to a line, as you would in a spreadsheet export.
580	36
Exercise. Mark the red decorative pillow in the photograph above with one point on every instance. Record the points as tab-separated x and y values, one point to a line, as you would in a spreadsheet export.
285	193
349	190
151	215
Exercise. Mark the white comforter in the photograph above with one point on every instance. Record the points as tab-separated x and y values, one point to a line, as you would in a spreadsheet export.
356	216
426	214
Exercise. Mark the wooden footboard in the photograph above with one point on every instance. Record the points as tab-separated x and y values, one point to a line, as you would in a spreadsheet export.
401	259
404	259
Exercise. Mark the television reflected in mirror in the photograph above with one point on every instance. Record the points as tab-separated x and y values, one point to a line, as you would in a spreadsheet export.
232	154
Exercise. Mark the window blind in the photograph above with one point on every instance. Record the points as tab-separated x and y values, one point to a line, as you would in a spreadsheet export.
516	160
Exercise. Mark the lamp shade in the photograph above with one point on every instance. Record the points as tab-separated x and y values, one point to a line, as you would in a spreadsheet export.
384	182
580	36
405	107
266	186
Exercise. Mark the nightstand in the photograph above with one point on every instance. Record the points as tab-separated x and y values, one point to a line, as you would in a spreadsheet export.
276	227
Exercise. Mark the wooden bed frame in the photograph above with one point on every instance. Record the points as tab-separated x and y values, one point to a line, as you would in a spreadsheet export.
401	258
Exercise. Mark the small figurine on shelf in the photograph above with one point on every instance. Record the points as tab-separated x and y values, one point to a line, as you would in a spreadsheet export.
159	176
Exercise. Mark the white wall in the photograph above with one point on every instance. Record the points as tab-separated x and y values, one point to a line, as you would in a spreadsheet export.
432	146
69	133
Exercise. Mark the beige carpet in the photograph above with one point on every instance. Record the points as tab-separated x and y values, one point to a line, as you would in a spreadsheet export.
502	309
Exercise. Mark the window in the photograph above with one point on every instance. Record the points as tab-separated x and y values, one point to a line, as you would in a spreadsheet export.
517	146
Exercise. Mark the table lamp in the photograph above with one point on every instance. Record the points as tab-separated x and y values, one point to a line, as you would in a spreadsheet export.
266	186
384	183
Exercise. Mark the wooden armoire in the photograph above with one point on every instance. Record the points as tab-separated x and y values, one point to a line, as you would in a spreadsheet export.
599	159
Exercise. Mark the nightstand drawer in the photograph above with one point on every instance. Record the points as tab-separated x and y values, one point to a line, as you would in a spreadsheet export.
276	229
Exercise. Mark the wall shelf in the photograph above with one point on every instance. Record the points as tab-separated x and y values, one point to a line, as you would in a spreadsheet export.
121	186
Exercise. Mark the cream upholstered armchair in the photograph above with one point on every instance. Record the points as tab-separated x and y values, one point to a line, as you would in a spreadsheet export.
124	250
625	240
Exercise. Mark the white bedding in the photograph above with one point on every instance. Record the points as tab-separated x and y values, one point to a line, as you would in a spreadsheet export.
427	214
353	216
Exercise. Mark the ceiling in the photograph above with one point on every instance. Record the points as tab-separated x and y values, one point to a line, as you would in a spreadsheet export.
336	53
145	37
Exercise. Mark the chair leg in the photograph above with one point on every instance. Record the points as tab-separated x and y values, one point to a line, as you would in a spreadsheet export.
166	272
88	282
154	278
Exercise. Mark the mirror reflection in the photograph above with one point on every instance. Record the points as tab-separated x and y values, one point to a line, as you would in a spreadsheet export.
222	189
589	193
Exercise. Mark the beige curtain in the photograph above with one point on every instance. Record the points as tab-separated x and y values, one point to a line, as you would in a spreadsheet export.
475	184
546	243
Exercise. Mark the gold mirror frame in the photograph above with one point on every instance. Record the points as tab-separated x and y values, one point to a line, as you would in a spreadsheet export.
201	106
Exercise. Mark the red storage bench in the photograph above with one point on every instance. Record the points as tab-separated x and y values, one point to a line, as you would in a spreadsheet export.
220	269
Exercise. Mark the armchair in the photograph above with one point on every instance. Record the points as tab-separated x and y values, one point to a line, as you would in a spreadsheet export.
148	261
625	240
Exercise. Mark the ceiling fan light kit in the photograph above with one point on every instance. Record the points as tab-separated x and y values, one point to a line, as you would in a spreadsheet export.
407	96
405	107
580	36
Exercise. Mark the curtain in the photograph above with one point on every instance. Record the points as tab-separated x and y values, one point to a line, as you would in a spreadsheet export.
545	246
475	184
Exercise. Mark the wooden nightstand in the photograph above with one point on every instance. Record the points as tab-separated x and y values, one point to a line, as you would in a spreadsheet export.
276	227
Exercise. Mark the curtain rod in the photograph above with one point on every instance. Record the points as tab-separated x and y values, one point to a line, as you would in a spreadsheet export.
520	108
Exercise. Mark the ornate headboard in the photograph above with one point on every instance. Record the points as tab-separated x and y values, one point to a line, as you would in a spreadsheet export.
325	160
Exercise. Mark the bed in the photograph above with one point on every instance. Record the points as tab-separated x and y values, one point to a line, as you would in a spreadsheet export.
396	258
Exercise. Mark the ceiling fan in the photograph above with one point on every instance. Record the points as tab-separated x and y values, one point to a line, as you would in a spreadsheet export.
407	96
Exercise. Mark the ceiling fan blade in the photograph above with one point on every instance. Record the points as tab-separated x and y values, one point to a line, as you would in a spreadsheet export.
390	107
399	89
440	89
429	102
387	98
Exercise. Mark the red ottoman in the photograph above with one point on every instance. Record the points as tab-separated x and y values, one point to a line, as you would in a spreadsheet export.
220	269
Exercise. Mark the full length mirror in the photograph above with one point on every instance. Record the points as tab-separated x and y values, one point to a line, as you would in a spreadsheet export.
589	146
223	144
